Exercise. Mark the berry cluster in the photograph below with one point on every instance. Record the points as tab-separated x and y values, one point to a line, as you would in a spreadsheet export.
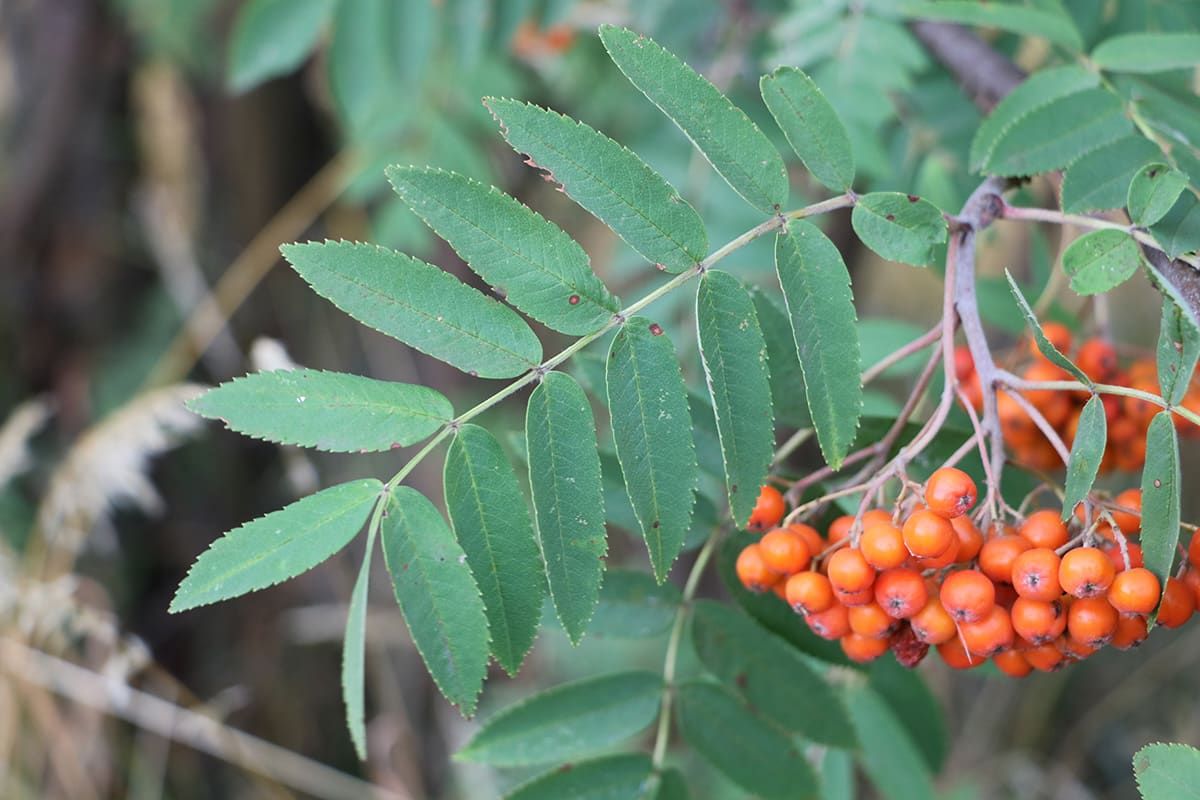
1030	597
1127	418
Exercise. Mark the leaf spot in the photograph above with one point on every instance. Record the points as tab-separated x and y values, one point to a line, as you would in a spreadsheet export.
912	198
1157	483
890	217
573	299
656	329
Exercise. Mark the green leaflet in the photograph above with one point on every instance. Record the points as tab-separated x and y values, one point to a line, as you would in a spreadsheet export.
1100	179
899	227
1051	137
567	722
1178	348
492	524
1179	231
437	595
811	126
633	605
535	266
731	142
749	750
361	66
1055	27
672	786
1160	496
608	180
278	546
272	38
888	754
1153	192
568	499
1040	90
652	430
1167	772
418	304
354	651
1087	451
1148	52
816	286
908	696
1101	260
735	366
330	411
1043	344
788	398
616	777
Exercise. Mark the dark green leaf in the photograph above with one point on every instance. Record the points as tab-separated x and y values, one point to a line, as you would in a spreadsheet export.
672	786
914	706
1167	772
567	722
327	410
889	756
1053	26
633	605
788	398
811	126
1043	344
278	546
1160	496
535	266
880	337
899	227
361	65
1101	260
354	652
652	430
272	37
1053	136
491	520
609	181
568	499
1087	451
730	141
1100	179
816	287
1153	192
1178	349
735	365
1179	231
420	305
1171	291
1148	52
750	751
619	777
837	776
437	595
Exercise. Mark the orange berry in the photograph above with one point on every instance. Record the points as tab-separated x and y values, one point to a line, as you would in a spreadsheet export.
768	510
1073	649
1118	560
752	571
809	592
1194	550
964	362
780	590
1045	528
1092	621
875	516
784	551
1191	579
970	540
851	599
968	595
997	555
810	536
1012	663
1018	428
901	592
1045	658
1085	572
1038	622
928	535
832	623
989	635
1059	336
950	492
1131	631
1098	360
848	571
944	560
882	545
871	620
956	656
1135	591
861	648
1035	574
933	624
1130	522
1055	406
1177	605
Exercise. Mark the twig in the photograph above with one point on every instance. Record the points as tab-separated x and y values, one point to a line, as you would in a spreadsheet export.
1095	223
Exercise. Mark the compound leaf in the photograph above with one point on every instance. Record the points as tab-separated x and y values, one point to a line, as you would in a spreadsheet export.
811	126
608	778
531	261
1100	179
1153	192
272	37
1179	231
420	305
899	227
1101	260
1087	451
1053	136
437	595
1148	52
278	546
492	524
1178	348
731	142
330	411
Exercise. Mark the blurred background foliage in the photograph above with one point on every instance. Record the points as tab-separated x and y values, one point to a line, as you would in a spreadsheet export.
155	153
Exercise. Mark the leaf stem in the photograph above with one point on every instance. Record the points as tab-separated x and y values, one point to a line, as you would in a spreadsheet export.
1062	218
1021	385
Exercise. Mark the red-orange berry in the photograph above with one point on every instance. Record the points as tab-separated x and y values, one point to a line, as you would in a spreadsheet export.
882	545
1035	574
1191	579
1134	591
997	555
1038	622
1045	658
1092	621
944	560
1085	572
784	551
809	592
840	528
861	648
810	536
1177	605
1073	649
933	624
1044	528
968	595
956	656
970	540
1012	663
871	620
752	570
1131	631
1118	559
768	510
1194	550
989	635
851	599
848	571
900	592
1059	336
950	492
1098	360
1130	522
928	535
832	623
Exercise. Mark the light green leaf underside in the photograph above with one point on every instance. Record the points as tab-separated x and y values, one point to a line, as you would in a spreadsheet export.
816	286
354	652
1153	192
608	180
1087	451
491	521
1167	772
888	755
811	126
569	721
731	142
1051	137
734	354
652	431
568	497
1039	336
437	595
634	605
278	546
1160	496
1100	179
272	38
610	778
1024	20
1101	260
330	411
1179	231
899	227
1178	348
418	304
535	265
1148	52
